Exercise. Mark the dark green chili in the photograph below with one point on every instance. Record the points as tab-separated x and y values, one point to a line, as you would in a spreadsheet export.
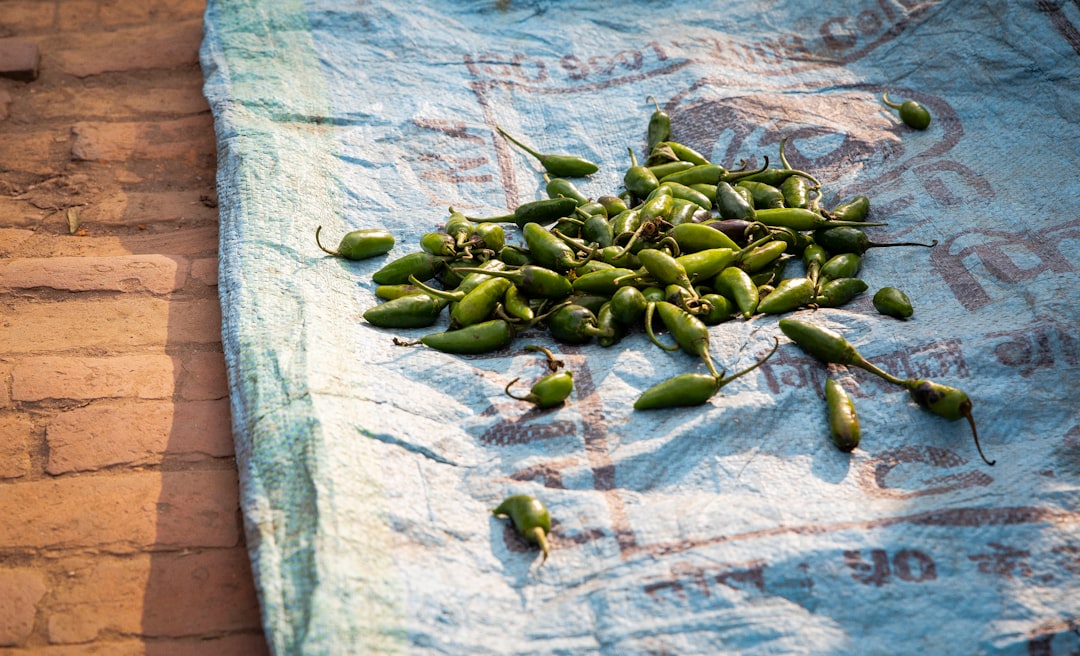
530	518
479	304
790	294
438	243
413	311
690	389
628	305
690	333
843	421
547	210
699	174
421	265
659	126
563	166
535	281
561	187
829	347
360	244
458	226
478	338
639	180
611	329
837	292
714	309
601	282
613	205
667	168
841	265
855	209
684	211
801	219
913	114
489	236
813	257
892	302
731	205
573	324
548	250
849	239
765	196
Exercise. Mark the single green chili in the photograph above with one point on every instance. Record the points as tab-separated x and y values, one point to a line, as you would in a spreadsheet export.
814	256
390	292
838	292
690	333
547	210
841	265
659	126
611	329
548	250
438	243
639	180
736	284
573	324
517	305
478	338
561	187
849	239
892	302
913	114
562	166
801	219
790	294
458	226
843	420
604	281
855	209
413	311
667	168
360	244
686	153
613	205
479	304
628	305
421	265
731	205
684	192
530	517
714	309
765	196
535	281
548	392
690	389
693	237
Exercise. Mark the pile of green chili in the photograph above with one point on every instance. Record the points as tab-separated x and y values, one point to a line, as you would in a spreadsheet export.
685	244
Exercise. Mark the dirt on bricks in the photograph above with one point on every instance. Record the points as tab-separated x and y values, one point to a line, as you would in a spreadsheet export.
122	531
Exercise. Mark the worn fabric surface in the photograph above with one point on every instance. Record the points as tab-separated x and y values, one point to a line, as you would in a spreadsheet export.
368	470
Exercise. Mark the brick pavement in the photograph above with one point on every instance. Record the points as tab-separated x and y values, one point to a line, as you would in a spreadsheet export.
118	486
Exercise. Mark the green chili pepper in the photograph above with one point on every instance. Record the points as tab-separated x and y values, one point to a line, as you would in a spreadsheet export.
842	265
514	256
684	192
548	250
838	292
390	292
801	219
479	304
420	265
667	168
690	333
590	267
628	305
438	243
945	401
659	126
686	153
531	519
698	174
639	180
707	263
731	205
913	114
490	236
684	211
573	324
413	311
459	227
765	196
610	328
814	256
665	268
562	166
849	239
843	421
892	302
592	208
478	338
662	153
689	389
547	210
855	209
613	205
714	309
736	284
517	305
789	295
762	256
776	177
360	244
592	302
829	347
693	237
619	257
535	281
601	282
548	392
796	189
561	187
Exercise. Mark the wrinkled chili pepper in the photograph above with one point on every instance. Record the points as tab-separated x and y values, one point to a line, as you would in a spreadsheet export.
530	517
360	244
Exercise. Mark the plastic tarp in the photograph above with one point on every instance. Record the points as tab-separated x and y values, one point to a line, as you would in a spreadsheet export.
369	470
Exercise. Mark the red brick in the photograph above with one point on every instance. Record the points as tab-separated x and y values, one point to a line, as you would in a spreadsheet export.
120	376
100	435
122	512
120	103
154	273
16	432
203	377
119	141
20	592
230	645
116	323
205	270
13	239
183	586
131	49
6	367
19	59
5	102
